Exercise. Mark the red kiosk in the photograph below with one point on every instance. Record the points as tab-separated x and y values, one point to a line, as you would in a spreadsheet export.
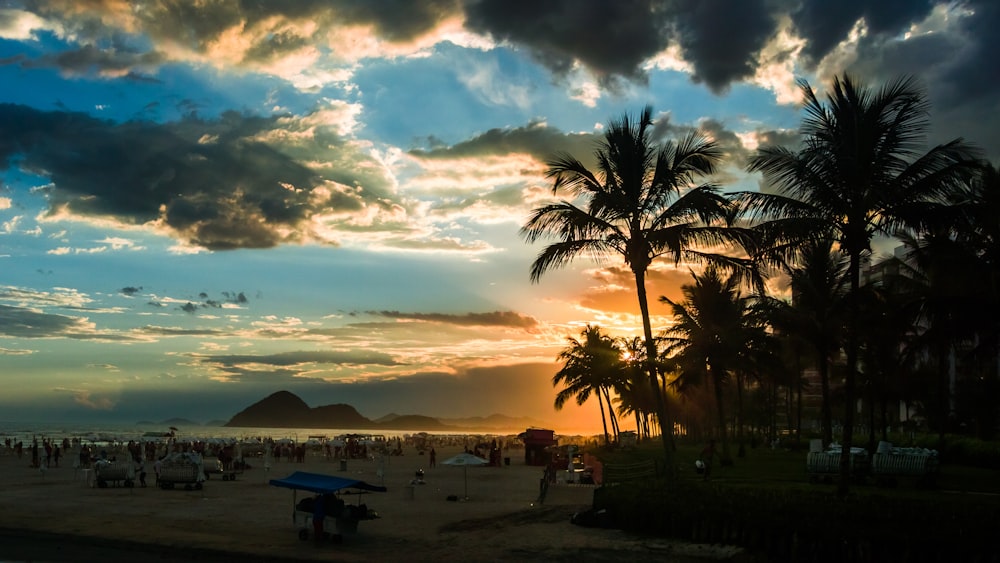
536	440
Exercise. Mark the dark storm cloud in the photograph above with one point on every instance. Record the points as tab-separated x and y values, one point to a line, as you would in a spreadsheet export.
956	65
90	59
197	26
610	38
789	139
721	38
205	180
495	318
130	290
535	139
974	76
303	358
824	24
21	322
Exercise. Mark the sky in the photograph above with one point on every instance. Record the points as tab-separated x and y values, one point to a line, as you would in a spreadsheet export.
202	203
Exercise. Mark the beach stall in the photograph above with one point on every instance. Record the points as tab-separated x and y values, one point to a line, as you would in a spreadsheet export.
340	517
536	443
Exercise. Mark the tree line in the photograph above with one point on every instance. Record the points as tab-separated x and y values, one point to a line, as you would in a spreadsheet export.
918	328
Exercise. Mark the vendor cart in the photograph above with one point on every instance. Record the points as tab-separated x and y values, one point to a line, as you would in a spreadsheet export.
341	518
114	473
181	469
824	465
892	464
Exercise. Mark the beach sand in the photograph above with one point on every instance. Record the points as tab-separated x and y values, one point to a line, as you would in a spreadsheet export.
56	515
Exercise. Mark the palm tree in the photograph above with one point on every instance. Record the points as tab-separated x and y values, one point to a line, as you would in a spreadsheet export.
715	333
977	224
641	205
859	173
635	396
590	365
816	313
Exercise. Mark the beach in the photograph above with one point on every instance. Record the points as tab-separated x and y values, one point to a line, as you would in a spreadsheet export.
59	515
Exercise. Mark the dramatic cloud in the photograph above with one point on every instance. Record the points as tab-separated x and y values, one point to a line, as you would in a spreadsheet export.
211	183
721	38
304	357
497	318
19	322
824	24
611	39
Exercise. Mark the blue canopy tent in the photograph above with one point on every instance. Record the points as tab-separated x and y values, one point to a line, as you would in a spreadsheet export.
346	521
319	483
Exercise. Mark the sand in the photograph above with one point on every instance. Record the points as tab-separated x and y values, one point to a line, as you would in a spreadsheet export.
57	515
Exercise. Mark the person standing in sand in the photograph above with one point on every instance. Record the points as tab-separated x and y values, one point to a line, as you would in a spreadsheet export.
433	457
319	514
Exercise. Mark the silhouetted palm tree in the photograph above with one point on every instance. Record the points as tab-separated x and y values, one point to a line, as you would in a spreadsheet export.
715	334
977	225
816	313
859	173
635	396
640	204
590	365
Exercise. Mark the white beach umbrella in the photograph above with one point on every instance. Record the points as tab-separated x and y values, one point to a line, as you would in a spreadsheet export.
465	460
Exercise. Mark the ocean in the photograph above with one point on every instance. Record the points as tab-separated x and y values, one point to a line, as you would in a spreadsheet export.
105	433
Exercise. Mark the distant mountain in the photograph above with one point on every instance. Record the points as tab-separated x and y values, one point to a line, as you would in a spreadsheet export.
216	422
278	410
286	410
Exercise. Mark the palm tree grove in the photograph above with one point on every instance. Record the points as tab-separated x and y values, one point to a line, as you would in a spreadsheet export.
837	340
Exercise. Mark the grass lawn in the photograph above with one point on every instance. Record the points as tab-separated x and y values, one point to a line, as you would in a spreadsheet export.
764	467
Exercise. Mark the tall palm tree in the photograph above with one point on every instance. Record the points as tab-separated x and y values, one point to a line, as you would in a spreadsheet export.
860	173
590	366
977	224
640	204
816	313
948	306
714	335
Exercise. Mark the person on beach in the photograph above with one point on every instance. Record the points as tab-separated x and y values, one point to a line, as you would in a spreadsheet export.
319	514
156	469
433	457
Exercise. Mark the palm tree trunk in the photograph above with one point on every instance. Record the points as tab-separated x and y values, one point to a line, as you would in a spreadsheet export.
666	432
721	411
843	485
741	451
826	413
611	414
604	422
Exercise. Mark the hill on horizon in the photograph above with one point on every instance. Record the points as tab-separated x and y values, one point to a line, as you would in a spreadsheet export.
284	409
